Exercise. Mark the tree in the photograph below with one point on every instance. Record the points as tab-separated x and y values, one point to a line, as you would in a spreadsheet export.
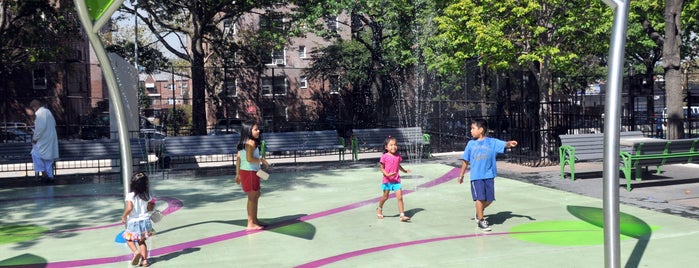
32	32
672	65
541	37
385	45
196	22
151	59
664	31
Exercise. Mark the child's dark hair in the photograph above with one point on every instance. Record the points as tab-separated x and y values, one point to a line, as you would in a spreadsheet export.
386	141
482	124
246	134
139	186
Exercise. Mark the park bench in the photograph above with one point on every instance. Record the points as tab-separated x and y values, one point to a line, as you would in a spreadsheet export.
16	157
300	142
374	138
657	153
586	148
73	154
180	147
78	154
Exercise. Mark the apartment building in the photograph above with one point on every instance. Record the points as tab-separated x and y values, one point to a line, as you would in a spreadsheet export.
281	95
166	90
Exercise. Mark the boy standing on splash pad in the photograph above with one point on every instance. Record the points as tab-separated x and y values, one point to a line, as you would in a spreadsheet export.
480	154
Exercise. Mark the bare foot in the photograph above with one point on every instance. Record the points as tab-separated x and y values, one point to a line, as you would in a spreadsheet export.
404	218
254	228
378	213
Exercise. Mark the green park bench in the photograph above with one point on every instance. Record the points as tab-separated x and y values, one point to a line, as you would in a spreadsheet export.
586	148
657	153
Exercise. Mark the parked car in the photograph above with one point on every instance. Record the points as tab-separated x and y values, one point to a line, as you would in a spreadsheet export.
227	126
13	135
17	125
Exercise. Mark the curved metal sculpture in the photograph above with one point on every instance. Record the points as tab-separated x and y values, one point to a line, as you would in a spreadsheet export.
93	15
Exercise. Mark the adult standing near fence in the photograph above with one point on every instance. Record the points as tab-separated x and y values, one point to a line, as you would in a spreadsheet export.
44	141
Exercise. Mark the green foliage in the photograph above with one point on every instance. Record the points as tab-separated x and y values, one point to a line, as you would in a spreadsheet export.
151	59
196	23
508	35
348	60
144	101
35	31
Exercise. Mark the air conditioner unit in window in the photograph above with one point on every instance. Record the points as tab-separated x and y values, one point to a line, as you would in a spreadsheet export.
279	61
266	89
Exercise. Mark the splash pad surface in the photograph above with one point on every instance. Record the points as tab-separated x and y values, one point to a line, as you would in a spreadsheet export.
326	217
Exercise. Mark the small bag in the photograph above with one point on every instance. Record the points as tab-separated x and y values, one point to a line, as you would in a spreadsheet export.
156	216
262	174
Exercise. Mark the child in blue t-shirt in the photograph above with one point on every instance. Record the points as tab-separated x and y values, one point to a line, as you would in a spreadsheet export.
480	154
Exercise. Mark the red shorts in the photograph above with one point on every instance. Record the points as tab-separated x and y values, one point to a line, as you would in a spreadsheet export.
249	180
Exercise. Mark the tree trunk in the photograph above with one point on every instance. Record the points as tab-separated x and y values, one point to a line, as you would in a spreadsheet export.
543	80
198	87
671	64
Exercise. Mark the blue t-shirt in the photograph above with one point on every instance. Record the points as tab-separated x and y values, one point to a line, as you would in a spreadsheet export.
481	155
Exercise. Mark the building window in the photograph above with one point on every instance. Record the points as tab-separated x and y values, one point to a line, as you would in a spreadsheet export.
39	79
302	52
276	57
229	27
150	87
231	88
279	57
334	83
273	23
278	84
331	22
303	82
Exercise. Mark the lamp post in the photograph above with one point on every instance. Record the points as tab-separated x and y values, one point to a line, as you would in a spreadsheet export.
172	117
135	33
274	104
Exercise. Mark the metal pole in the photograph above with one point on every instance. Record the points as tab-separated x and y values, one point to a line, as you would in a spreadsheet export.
274	103
91	29
135	33
174	100
611	134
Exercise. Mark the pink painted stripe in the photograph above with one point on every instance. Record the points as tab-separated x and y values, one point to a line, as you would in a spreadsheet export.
172	206
360	252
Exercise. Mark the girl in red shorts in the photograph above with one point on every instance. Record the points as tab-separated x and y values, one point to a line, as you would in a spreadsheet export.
247	164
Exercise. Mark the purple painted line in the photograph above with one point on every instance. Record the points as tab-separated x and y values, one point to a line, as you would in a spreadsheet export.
172	206
360	252
215	239
444	178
